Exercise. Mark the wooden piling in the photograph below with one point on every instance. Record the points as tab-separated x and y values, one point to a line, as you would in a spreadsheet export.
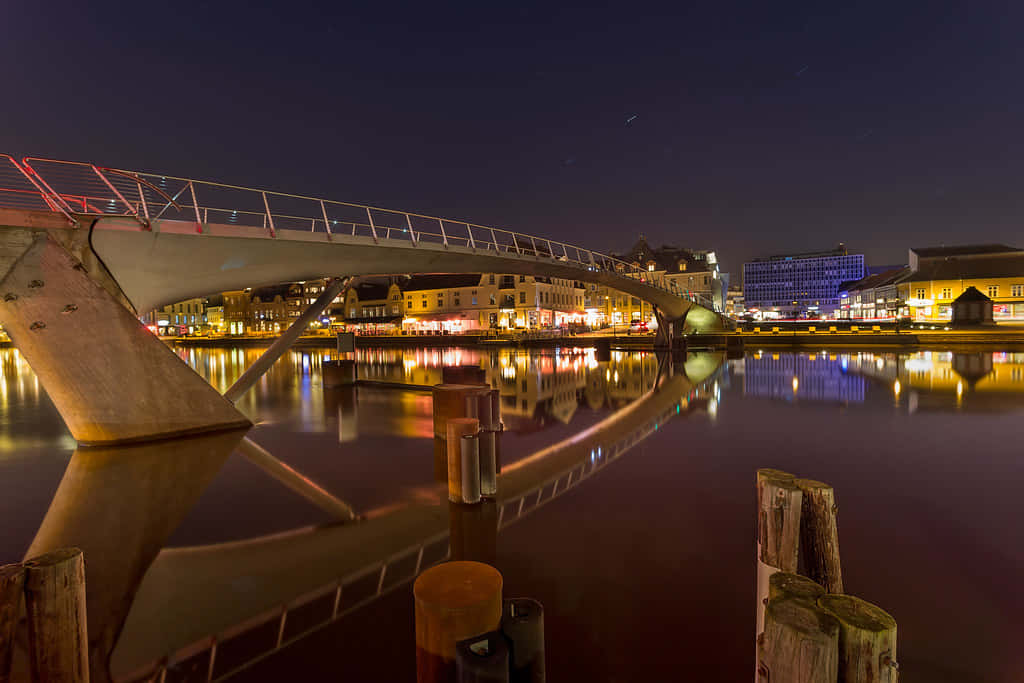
779	506
778	531
800	643
55	607
783	585
12	585
454	601
819	534
867	640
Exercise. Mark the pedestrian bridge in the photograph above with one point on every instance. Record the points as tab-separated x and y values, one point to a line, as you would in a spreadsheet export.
166	239
84	250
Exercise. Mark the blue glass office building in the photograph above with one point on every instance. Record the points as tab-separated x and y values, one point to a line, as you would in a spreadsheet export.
798	284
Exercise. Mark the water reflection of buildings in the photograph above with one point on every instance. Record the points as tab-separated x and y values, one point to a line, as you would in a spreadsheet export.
983	381
28	419
803	376
923	380
539	387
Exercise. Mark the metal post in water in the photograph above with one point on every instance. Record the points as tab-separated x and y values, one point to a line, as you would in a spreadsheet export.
470	469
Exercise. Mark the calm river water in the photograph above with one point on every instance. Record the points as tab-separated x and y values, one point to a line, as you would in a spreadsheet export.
636	533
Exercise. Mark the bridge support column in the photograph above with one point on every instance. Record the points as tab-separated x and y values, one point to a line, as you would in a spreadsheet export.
285	341
111	379
669	330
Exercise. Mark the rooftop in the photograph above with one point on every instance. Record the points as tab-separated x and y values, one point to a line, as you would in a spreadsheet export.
886	277
971	294
369	291
840	250
970	265
963	250
665	257
422	282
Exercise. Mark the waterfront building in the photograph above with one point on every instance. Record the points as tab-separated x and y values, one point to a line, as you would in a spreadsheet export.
369	306
873	297
452	304
795	285
686	271
692	272
237	311
183	317
215	313
269	308
938	275
735	306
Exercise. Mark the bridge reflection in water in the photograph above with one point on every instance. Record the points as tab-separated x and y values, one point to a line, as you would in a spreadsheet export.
201	613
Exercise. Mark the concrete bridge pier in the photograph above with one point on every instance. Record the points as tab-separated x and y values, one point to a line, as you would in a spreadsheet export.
141	490
111	379
670	331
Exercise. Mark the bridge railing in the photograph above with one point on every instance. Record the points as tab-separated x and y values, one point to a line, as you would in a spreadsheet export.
203	655
77	188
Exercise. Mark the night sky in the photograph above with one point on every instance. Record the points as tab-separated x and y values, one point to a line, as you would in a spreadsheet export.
749	128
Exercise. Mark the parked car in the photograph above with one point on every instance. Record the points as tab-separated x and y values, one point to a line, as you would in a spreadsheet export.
638	327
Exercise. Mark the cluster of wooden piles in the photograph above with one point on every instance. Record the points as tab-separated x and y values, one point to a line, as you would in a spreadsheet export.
808	629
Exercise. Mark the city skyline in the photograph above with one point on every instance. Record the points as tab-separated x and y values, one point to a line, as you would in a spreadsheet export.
745	129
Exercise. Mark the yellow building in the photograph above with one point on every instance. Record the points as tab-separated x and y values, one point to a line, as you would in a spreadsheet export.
462	303
938	275
370	307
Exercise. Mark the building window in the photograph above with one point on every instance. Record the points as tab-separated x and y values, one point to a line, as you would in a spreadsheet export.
1017	290
920	293
490	279
474	301
522	278
456	303
993	291
522	297
492	300
351	312
947	293
650	267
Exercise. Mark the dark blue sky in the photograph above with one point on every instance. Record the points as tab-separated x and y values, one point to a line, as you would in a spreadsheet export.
759	127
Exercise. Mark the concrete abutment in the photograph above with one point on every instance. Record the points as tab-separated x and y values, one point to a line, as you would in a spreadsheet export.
111	379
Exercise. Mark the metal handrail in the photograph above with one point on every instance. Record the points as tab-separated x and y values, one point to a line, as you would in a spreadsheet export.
153	202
